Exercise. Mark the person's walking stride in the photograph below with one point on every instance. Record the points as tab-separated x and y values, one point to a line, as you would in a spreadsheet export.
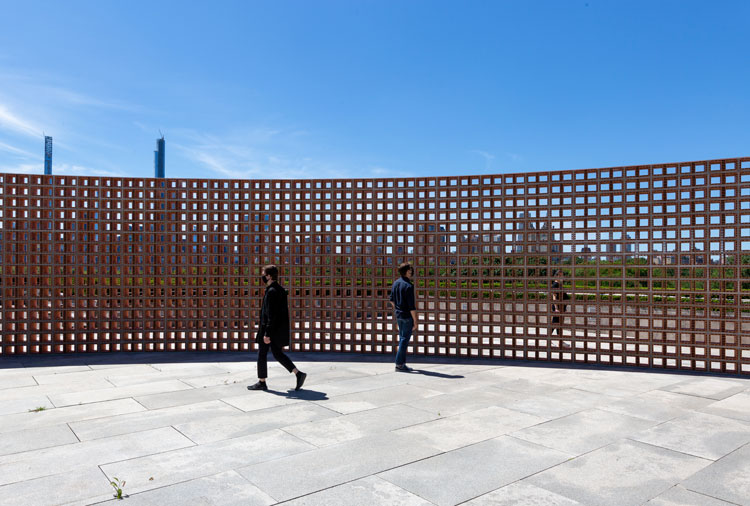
558	303
274	329
405	307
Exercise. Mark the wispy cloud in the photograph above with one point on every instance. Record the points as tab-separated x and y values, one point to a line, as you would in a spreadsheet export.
384	172
488	157
61	169
66	96
22	168
17	151
56	90
262	153
77	119
11	122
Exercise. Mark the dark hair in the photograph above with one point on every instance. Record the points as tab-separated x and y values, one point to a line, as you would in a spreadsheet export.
404	268
272	271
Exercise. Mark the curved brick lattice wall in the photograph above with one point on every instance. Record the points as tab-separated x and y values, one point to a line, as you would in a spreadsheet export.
656	259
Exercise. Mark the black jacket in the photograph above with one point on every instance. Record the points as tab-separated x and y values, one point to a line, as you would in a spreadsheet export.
274	316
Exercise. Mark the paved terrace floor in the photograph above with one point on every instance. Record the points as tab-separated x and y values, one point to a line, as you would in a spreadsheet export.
182	429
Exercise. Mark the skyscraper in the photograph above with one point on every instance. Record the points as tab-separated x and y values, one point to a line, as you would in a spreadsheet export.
159	158
47	154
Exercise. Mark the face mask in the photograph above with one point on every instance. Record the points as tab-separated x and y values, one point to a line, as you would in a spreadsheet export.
264	279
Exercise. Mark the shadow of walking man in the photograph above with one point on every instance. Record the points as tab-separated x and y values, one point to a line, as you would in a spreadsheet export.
304	395
436	374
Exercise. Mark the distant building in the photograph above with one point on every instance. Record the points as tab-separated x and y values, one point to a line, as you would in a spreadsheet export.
47	155
159	158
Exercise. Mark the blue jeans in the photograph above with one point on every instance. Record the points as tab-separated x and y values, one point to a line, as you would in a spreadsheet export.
405	326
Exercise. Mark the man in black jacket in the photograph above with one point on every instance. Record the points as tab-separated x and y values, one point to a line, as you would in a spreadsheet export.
405	309
274	329
558	303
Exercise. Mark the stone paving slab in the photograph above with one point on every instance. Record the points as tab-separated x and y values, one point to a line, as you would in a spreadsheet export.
37	463
35	439
713	388
449	433
24	405
454	432
727	479
351	403
370	491
223	489
37	368
451	368
122	378
636	380
189	395
98	428
584	431
12	423
521	492
247	376
527	387
707	436
357	425
560	403
367	383
187	368
465	400
53	388
88	374
624	473
171	467
254	401
324	379
656	405
15	381
614	386
680	496
474	470
233	425
293	476
451	383
79	486
736	406
108	394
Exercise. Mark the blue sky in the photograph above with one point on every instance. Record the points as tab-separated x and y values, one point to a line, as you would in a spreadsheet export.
307	89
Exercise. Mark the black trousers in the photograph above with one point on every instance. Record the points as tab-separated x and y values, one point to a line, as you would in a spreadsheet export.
278	354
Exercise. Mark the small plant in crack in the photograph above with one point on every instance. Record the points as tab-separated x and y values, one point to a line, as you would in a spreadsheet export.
118	486
37	410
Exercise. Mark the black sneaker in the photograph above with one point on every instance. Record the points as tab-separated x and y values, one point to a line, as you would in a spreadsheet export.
300	380
261	385
403	368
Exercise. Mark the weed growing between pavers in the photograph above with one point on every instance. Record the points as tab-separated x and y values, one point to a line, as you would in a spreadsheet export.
37	410
118	486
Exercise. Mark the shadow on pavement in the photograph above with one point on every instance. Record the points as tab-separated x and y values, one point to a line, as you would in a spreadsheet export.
304	395
436	374
167	357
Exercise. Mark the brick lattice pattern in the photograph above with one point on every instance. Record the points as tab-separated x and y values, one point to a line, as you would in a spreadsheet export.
656	260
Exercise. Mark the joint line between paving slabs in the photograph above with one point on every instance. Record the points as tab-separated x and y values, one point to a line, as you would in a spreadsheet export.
74	432
375	475
705	495
185	435
628	438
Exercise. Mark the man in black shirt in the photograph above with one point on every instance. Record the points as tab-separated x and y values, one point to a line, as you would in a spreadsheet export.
404	305
274	329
